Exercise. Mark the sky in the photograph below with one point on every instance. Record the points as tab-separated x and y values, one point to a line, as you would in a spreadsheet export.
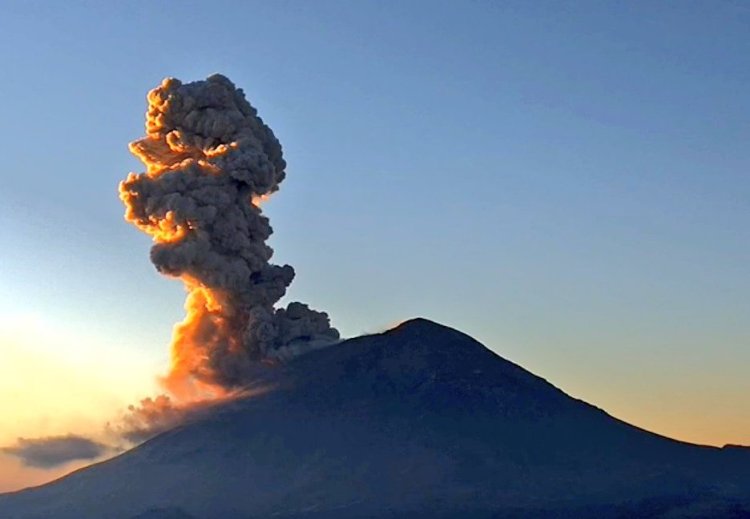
565	182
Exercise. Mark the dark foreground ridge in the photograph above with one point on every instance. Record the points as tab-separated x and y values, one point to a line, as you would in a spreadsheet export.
419	421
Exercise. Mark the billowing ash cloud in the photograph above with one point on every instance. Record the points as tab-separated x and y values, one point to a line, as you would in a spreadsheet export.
152	416
210	161
51	451
149	418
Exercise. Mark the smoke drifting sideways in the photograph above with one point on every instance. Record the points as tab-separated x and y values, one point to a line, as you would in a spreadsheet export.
210	162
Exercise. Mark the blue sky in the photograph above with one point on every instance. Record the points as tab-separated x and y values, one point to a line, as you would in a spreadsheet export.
567	183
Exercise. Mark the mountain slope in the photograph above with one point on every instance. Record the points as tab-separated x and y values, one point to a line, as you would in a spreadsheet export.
419	420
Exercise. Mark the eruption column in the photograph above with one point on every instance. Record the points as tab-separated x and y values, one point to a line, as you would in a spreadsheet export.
210	160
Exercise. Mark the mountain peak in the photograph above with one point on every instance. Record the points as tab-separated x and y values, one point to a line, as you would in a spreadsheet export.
435	342
434	364
417	420
421	325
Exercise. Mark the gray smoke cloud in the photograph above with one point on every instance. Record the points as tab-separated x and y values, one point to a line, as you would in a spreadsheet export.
150	417
210	161
51	451
153	416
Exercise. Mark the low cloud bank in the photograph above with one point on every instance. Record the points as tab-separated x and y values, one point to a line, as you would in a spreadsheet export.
52	451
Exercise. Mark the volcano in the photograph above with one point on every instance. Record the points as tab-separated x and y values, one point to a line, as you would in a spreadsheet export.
418	421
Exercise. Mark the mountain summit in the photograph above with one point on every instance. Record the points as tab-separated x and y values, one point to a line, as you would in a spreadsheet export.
418	421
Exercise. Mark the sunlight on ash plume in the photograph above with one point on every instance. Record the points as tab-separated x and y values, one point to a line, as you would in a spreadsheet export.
210	164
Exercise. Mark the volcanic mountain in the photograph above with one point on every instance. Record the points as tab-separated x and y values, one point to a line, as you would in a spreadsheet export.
419	421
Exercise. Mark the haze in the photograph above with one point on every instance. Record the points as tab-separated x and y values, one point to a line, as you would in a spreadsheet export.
566	183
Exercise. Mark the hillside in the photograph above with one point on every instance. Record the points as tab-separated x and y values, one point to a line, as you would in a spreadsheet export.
421	420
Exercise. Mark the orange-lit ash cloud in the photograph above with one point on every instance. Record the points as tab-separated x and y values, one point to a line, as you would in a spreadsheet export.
210	161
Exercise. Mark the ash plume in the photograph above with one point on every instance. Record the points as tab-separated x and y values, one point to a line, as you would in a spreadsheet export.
210	161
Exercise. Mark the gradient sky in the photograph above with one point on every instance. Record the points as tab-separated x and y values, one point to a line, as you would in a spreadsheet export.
566	182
